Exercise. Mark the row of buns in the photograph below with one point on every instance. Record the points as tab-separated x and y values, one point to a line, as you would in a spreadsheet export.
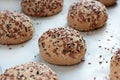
60	46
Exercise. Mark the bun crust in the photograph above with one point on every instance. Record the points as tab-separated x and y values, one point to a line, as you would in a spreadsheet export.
41	8
15	28
87	15
62	46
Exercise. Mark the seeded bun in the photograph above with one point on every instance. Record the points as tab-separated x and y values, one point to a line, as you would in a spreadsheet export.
41	8
30	71
108	2
87	15
15	28
62	46
115	66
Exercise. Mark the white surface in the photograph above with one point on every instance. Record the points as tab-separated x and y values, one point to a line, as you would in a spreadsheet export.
84	71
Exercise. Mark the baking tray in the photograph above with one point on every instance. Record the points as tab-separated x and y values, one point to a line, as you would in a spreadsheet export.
101	44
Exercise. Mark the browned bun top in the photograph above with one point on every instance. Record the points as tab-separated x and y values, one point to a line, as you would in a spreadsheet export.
62	41
41	8
15	27
30	71
87	15
86	8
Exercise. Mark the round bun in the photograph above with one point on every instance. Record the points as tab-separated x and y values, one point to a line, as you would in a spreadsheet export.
115	66
62	46
41	8
30	71
108	2
87	15
15	27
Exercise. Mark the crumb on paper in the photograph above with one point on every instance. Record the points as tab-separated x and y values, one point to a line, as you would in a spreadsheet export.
100	62
89	63
106	61
100	46
35	56
103	58
100	56
94	78
37	23
108	40
106	31
111	36
99	40
22	46
10	48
